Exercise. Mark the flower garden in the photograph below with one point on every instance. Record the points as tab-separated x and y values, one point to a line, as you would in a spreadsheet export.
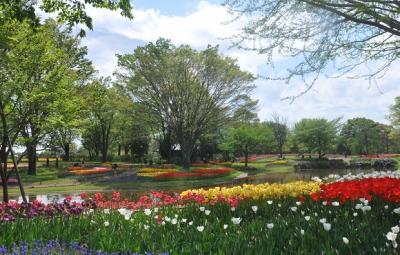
352	214
163	173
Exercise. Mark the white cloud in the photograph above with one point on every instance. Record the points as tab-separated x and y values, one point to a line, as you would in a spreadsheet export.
205	25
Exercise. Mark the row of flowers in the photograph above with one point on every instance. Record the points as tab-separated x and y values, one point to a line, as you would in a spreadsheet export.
92	171
263	226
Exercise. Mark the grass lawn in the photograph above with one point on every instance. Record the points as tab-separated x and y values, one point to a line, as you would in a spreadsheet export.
48	181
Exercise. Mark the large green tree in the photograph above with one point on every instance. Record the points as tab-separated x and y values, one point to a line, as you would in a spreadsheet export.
247	139
322	36
186	89
52	63
315	135
362	136
103	107
280	131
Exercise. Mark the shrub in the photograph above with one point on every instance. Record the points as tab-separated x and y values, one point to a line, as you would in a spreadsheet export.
385	163
320	164
360	164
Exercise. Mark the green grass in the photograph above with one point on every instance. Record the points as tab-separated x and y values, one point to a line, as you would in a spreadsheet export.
48	181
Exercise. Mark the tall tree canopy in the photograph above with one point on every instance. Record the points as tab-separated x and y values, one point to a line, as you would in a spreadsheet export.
363	136
248	138
315	135
322	36
187	90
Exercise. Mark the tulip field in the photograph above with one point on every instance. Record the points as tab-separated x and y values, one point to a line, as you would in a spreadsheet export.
352	214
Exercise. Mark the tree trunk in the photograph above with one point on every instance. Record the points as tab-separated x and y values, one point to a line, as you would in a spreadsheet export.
126	149
119	149
31	153
280	152
104	152
186	150
4	183
67	152
246	157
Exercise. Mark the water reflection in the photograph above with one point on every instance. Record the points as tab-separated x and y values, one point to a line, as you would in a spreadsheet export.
254	179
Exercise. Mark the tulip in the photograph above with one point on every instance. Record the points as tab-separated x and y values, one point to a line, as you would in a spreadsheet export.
345	240
236	221
327	226
200	228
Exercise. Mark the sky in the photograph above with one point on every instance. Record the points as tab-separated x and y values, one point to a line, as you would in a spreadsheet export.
201	23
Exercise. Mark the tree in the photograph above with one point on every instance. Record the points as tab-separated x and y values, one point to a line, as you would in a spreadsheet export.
394	115
247	139
68	12
362	136
52	63
280	131
315	135
103	108
246	111
324	36
187	90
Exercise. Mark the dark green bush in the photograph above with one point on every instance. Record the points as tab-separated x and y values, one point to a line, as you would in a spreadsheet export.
320	164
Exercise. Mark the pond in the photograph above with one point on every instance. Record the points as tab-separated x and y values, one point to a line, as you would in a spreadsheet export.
278	177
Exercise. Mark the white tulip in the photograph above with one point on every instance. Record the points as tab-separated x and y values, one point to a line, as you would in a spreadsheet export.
298	203
190	223
397	210
269	202
106	223
391	236
207	212
106	211
174	221
147	211
327	226
345	240
225	226
355	214
395	229
294	208
236	220
200	228
146	227
366	208
233	209
302	231
307	218
323	220
270	225
324	203
254	208
202	208
184	220
336	203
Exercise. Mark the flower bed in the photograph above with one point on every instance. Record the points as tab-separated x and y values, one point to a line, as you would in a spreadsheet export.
153	172
292	218
200	164
95	170
196	173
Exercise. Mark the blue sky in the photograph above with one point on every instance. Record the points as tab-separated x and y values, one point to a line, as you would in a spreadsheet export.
199	23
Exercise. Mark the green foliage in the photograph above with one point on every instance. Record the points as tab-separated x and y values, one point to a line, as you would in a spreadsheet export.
247	139
362	136
253	235
68	12
315	135
188	91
